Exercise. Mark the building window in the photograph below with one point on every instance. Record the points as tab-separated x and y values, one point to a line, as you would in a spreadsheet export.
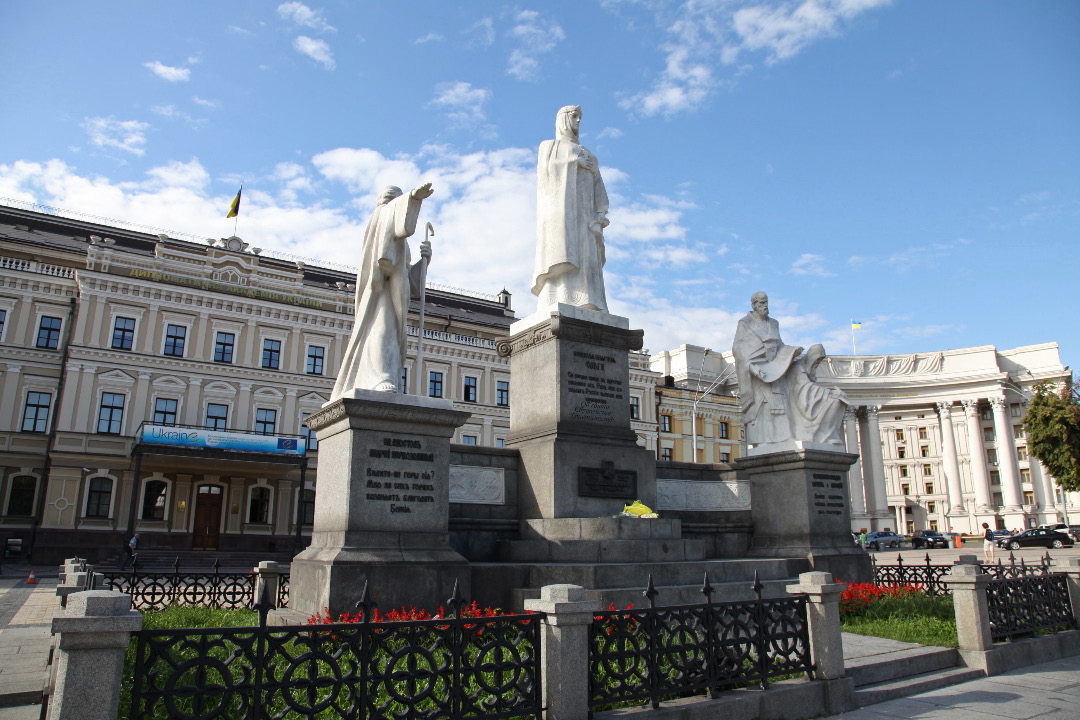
991	456
154	496
404	381
165	411
223	347
307	507
110	414
123	333
725	457
929	487
1025	475
259	505
1021	453
502	393
1014	410
905	489
927	469
21	497
468	391
174	340
434	384
899	436
217	416
312	441
468	439
1018	432
995	477
48	334
665	453
665	423
316	357
635	407
271	357
903	471
986	414
500	442
997	500
722	430
922	433
1029	497
901	452
931	507
265	421
988	434
924	451
36	412
3	318
933	525
99	497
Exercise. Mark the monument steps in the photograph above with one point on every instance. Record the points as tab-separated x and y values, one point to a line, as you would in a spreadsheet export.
601	551
668	595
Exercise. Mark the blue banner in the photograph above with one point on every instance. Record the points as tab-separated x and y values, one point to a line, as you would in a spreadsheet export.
217	440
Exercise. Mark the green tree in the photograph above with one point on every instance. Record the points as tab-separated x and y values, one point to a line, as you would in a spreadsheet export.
1052	423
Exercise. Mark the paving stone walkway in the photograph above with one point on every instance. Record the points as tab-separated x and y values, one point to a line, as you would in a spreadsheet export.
25	641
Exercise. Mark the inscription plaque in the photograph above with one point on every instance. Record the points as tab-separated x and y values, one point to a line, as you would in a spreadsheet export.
607	482
830	497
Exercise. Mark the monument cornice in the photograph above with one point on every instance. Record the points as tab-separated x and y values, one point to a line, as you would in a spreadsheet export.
572	330
359	410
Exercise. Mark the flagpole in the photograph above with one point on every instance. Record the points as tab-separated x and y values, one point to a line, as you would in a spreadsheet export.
428	231
853	338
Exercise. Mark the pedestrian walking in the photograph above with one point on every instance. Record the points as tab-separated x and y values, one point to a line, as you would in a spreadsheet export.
988	543
132	544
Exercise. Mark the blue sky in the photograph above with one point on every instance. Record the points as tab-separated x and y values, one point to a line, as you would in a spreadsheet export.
911	164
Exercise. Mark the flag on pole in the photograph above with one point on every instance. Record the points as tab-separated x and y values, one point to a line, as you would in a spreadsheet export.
234	209
854	323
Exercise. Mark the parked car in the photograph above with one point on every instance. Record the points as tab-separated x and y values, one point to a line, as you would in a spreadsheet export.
928	539
1039	537
883	538
1002	534
1074	530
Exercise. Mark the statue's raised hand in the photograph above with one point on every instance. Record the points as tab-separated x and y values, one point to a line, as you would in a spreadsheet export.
424	191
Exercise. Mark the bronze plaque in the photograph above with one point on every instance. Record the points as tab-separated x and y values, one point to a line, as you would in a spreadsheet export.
607	482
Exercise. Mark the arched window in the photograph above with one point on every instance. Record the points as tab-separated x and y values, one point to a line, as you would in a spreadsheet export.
99	497
259	505
21	497
154	496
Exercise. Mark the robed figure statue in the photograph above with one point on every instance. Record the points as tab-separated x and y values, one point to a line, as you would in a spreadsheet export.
385	281
571	214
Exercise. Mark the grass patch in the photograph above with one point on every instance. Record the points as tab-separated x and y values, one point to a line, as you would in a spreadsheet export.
904	614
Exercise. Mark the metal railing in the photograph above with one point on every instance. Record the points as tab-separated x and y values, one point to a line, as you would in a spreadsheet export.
658	652
1022	606
151	590
933	579
481	668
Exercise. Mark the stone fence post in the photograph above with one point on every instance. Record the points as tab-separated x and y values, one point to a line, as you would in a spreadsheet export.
1071	568
564	657
967	560
93	632
823	614
968	585
268	575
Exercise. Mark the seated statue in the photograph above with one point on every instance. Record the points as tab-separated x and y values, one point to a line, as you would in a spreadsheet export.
782	404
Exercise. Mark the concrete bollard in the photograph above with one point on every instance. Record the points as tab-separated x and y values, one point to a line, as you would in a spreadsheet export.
1071	568
269	575
564	657
968	586
93	632
823	613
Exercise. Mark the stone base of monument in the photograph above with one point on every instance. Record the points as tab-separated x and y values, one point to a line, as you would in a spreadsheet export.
382	508
601	540
800	509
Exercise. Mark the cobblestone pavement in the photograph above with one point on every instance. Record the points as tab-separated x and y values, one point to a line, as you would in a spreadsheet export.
25	640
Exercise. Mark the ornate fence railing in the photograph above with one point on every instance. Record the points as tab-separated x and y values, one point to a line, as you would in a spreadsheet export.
481	668
1025	605
658	652
153	590
931	579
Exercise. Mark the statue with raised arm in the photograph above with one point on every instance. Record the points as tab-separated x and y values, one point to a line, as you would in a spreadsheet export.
778	392
571	214
385	281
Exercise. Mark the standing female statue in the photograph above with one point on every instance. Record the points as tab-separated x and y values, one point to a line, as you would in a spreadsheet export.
571	214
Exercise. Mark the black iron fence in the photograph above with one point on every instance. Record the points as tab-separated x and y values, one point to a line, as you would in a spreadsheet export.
656	653
1022	606
932	579
154	590
481	668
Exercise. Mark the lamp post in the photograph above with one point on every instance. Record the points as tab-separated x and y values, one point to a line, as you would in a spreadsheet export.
693	410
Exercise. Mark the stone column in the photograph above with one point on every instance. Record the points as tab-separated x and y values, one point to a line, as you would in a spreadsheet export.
193	401
1006	451
138	409
291	415
564	655
65	411
875	462
901	518
979	479
242	416
149	330
10	391
269	577
92	635
855	474
1041	479
949	461
85	405
823	613
968	586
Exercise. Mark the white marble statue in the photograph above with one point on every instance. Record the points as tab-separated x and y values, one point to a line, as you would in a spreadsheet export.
571	214
384	283
783	406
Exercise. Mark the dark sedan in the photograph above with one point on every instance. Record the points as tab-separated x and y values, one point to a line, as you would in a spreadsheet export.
928	539
1039	537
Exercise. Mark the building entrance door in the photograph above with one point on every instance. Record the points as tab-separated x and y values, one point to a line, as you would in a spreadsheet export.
207	529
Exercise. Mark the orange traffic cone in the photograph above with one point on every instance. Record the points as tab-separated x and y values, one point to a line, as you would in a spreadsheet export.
31	580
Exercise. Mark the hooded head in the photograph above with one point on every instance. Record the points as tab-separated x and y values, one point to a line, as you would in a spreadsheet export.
388	193
567	123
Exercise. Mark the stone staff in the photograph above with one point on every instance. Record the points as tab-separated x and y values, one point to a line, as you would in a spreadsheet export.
429	232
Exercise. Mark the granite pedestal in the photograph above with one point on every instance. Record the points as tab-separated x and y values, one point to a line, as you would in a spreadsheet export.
381	510
800	510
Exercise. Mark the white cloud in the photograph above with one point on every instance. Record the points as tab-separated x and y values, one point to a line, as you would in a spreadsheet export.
236	30
783	30
302	15
166	72
190	175
430	37
211	104
317	50
481	34
810	264
462	103
535	37
108	132
610	132
293	179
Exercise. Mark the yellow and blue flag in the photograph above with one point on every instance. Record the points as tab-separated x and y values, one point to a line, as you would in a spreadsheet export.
234	209
854	323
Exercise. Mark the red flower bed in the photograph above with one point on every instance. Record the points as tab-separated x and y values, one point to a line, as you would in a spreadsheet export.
472	610
857	597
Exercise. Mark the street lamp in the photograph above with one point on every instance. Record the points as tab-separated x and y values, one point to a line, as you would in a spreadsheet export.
693	410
